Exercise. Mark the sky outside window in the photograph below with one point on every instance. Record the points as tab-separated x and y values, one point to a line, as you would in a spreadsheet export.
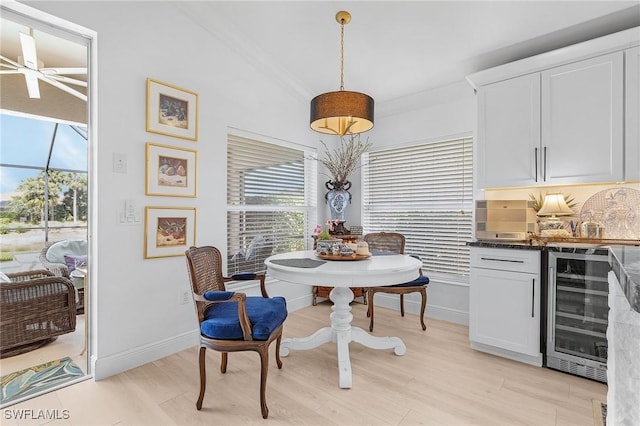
27	141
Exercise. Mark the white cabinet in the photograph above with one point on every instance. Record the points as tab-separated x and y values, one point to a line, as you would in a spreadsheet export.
632	114
563	125
582	121
509	132
504	303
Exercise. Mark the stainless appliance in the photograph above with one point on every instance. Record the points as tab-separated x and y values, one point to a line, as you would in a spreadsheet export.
577	312
508	220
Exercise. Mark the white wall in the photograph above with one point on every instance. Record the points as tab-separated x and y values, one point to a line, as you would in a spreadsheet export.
138	316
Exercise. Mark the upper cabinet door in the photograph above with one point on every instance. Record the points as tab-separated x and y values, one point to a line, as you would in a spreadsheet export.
632	114
509	132
582	121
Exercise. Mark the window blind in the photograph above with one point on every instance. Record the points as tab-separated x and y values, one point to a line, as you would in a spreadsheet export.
424	192
270	201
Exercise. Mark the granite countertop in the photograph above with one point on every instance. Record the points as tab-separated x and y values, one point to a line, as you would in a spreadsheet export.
625	262
506	245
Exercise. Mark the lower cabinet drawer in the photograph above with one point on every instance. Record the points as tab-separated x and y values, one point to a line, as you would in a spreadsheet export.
515	260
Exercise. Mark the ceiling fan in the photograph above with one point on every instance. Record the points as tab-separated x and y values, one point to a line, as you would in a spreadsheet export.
32	68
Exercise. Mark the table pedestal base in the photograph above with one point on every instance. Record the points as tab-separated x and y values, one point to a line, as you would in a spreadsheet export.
341	333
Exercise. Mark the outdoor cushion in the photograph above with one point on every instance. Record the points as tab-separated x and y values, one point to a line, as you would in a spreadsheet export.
265	315
70	261
4	278
421	280
57	251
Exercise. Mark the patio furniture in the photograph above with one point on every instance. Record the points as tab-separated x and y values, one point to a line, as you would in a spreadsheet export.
231	321
59	257
385	243
35	308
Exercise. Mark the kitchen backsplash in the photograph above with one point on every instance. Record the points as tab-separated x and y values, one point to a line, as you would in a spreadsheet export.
616	207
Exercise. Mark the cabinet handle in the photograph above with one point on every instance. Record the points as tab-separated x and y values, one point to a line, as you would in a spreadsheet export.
544	165
551	309
502	260
533	297
536	160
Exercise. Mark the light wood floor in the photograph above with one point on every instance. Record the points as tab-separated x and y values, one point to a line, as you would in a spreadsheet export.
439	381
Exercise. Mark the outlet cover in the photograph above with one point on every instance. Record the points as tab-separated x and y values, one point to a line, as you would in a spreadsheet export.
119	163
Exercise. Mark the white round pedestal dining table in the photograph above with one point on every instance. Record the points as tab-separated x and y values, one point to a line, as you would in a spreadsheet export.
374	271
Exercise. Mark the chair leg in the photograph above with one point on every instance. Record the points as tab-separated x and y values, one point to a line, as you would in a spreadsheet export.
264	369
370	310
278	361
401	304
314	292
203	377
223	362
423	306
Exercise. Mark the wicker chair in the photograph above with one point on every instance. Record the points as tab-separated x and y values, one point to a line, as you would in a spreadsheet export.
233	322
381	243
35	308
58	266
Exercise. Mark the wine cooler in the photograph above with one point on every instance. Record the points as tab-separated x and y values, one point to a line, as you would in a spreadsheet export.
577	312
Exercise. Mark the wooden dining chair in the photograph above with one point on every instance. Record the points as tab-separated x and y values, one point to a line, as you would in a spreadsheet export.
385	243
232	321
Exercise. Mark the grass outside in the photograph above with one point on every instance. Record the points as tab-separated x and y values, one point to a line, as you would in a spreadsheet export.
32	241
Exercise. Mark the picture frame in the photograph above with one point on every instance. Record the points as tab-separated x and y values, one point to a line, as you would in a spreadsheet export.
172	110
171	171
168	231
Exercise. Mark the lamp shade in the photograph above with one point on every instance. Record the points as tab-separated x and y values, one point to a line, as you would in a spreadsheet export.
342	112
555	205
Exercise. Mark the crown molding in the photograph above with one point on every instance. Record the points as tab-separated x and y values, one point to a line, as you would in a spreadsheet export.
222	30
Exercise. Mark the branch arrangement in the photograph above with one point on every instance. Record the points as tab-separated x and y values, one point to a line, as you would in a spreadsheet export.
342	161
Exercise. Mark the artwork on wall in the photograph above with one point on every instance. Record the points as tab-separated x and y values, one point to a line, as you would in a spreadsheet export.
171	171
171	110
168	231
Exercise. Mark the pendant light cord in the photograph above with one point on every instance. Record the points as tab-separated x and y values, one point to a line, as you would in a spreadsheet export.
342	54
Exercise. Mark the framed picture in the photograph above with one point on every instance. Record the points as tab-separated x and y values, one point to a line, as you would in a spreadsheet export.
171	110
168	231
171	171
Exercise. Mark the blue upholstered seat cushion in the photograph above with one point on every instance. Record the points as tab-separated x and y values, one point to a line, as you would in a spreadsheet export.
421	280
244	276
221	320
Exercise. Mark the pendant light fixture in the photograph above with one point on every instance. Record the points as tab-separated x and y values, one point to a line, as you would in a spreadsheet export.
342	112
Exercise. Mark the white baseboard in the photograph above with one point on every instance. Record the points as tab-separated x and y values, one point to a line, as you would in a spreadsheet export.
299	302
432	311
527	359
104	367
117	363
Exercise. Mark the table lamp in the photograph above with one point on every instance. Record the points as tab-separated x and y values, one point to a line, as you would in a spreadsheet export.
553	206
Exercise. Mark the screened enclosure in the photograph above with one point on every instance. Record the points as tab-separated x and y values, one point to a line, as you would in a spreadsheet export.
43	190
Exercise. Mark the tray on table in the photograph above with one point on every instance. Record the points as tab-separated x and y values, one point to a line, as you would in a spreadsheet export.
341	257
